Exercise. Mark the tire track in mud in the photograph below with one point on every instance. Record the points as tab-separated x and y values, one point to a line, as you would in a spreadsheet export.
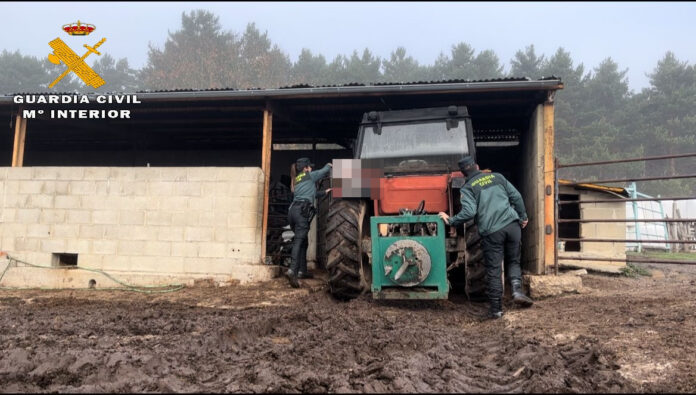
314	345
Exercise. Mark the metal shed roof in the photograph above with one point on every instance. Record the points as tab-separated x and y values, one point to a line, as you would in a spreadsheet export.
352	89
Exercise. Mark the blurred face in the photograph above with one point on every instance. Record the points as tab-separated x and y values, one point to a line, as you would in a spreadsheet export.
307	169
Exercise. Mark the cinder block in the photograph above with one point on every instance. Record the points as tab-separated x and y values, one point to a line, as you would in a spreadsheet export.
182	249
28	216
101	188
77	246
51	216
91	261
201	173
202	203
246	235
82	188
7	215
122	173
7	244
251	204
89	202
228	203
14	229
11	187
40	201
92	231
116	232
79	216
25	244
115	262
173	202
211	250
53	245
96	173
104	247
30	187
65	231
158	248
131	247
173	174
198	234
115	187
61	187
161	188
170	233
146	173
138	203
16	200
184	188
70	173
185	218
158	218
212	218
105	217
248	189
45	173
48	187
244	220
222	234
38	230
137	232
67	201
131	217
134	188
19	173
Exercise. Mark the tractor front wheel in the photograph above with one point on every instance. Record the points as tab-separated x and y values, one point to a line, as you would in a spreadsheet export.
350	273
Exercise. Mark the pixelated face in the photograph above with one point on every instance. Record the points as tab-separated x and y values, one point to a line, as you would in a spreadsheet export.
357	178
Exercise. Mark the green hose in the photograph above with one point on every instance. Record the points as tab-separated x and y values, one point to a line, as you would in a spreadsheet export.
148	289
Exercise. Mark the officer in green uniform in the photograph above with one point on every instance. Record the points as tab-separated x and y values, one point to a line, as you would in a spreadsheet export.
300	215
500	216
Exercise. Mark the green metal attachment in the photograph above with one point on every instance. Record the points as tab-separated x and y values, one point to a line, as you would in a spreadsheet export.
409	267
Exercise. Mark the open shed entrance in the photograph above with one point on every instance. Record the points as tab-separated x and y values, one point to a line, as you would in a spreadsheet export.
227	128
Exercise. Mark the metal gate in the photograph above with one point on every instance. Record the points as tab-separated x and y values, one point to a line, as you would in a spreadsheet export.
633	198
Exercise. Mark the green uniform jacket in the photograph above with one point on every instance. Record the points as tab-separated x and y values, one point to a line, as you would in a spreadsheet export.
305	184
492	200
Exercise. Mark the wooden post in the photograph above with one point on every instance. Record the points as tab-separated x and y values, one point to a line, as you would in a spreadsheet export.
266	148
549	187
19	139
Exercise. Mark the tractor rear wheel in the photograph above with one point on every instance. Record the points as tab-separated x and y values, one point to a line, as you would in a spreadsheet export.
350	273
475	270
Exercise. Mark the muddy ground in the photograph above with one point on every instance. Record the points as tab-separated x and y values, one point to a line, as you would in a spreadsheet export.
618	335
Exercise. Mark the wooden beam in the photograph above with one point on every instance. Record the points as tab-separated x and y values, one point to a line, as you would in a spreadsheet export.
19	140
549	187
266	168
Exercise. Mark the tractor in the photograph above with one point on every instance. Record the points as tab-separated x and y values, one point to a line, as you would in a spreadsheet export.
382	233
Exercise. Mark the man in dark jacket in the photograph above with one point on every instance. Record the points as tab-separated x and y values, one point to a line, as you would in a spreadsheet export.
500	216
300	216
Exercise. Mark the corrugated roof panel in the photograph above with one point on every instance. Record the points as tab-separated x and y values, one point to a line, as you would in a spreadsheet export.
307	86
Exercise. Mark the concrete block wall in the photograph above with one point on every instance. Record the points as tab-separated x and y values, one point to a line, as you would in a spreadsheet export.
609	230
595	230
183	221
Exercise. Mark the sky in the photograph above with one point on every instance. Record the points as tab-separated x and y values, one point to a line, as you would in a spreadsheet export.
634	34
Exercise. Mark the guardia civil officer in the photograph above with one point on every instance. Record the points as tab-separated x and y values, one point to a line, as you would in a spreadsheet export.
500	216
300	215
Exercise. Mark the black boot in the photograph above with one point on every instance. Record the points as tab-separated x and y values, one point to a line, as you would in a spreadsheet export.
518	295
292	279
305	275
495	309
